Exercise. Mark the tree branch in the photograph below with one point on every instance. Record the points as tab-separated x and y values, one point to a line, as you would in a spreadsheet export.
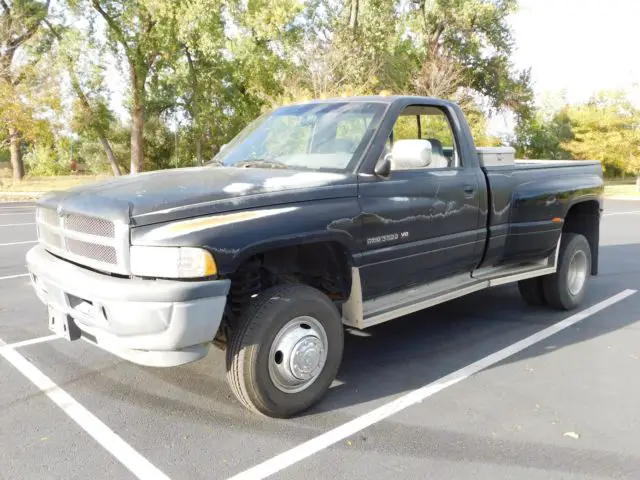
16	42
114	26
6	7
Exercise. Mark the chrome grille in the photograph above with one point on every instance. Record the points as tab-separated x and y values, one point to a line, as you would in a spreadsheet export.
90	241
90	225
101	253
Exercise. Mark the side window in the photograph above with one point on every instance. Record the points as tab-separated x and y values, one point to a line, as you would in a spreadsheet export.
424	123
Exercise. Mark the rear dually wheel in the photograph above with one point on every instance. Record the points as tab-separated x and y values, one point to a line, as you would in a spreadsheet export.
566	288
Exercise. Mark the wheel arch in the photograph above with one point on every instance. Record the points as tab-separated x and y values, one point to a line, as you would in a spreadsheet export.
323	261
583	217
340	242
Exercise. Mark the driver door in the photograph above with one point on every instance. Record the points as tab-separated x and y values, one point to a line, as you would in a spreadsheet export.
420	224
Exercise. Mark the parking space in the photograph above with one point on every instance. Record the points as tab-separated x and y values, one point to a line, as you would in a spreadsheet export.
565	407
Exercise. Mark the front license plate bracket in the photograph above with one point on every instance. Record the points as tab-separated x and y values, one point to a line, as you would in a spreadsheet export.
62	324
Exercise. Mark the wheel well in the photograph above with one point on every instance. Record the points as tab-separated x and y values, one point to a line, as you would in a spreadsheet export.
322	265
584	218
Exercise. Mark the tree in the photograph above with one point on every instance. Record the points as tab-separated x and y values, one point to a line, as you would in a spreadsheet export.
143	32
544	135
20	21
200	74
474	36
93	112
607	128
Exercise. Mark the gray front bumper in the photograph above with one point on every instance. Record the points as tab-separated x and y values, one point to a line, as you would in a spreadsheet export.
157	323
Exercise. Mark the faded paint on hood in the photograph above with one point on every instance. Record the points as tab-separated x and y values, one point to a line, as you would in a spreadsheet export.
182	193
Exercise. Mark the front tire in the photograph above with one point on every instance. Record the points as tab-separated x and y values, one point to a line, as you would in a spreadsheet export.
566	288
285	351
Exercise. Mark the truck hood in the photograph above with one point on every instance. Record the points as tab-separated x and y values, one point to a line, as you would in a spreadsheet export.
166	195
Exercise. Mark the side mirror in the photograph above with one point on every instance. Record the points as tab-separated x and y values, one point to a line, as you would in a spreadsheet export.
383	167
411	153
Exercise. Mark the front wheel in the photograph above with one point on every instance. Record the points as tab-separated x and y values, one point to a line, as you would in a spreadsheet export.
285	351
566	288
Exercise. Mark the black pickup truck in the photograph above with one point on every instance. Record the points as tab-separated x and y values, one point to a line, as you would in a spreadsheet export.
320	215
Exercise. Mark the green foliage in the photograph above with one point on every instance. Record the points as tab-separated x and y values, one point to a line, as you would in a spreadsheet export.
90	151
28	90
44	159
198	71
605	128
543	136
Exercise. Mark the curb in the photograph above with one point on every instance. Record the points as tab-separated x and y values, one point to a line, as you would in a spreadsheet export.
18	194
16	197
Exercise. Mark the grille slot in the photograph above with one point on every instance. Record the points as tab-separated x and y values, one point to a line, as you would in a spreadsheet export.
90	225
100	253
48	216
50	238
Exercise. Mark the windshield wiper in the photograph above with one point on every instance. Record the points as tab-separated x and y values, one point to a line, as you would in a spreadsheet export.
260	163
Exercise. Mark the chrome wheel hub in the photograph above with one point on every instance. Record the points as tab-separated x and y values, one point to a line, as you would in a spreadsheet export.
298	354
578	271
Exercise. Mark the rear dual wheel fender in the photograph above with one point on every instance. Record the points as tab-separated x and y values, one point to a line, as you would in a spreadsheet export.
566	288
285	351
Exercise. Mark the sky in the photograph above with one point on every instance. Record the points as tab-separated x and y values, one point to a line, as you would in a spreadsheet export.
579	46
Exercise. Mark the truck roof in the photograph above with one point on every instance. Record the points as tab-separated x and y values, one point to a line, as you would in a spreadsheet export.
376	99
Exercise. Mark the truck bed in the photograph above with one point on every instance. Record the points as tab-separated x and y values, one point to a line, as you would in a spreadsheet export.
527	200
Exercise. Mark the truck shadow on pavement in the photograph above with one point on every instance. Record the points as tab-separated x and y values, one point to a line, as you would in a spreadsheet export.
410	352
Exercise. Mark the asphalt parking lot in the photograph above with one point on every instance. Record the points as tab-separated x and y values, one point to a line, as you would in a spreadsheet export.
563	404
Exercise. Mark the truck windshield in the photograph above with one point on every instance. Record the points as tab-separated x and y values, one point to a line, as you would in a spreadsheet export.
316	136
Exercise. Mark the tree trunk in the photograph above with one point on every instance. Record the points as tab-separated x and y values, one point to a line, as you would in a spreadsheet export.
638	182
16	154
137	135
110	155
353	16
195	106
199	154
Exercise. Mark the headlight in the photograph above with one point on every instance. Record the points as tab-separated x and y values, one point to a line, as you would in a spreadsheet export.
172	262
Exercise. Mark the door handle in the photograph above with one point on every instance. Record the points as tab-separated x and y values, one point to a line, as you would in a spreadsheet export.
469	190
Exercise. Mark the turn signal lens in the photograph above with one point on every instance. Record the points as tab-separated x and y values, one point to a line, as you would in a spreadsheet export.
172	262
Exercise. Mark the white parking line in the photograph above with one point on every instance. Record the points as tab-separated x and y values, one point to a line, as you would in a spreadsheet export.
17	224
15	214
107	438
17	243
25	343
632	212
304	450
14	276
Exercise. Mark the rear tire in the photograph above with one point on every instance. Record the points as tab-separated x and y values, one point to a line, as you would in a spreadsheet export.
532	292
286	350
566	288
